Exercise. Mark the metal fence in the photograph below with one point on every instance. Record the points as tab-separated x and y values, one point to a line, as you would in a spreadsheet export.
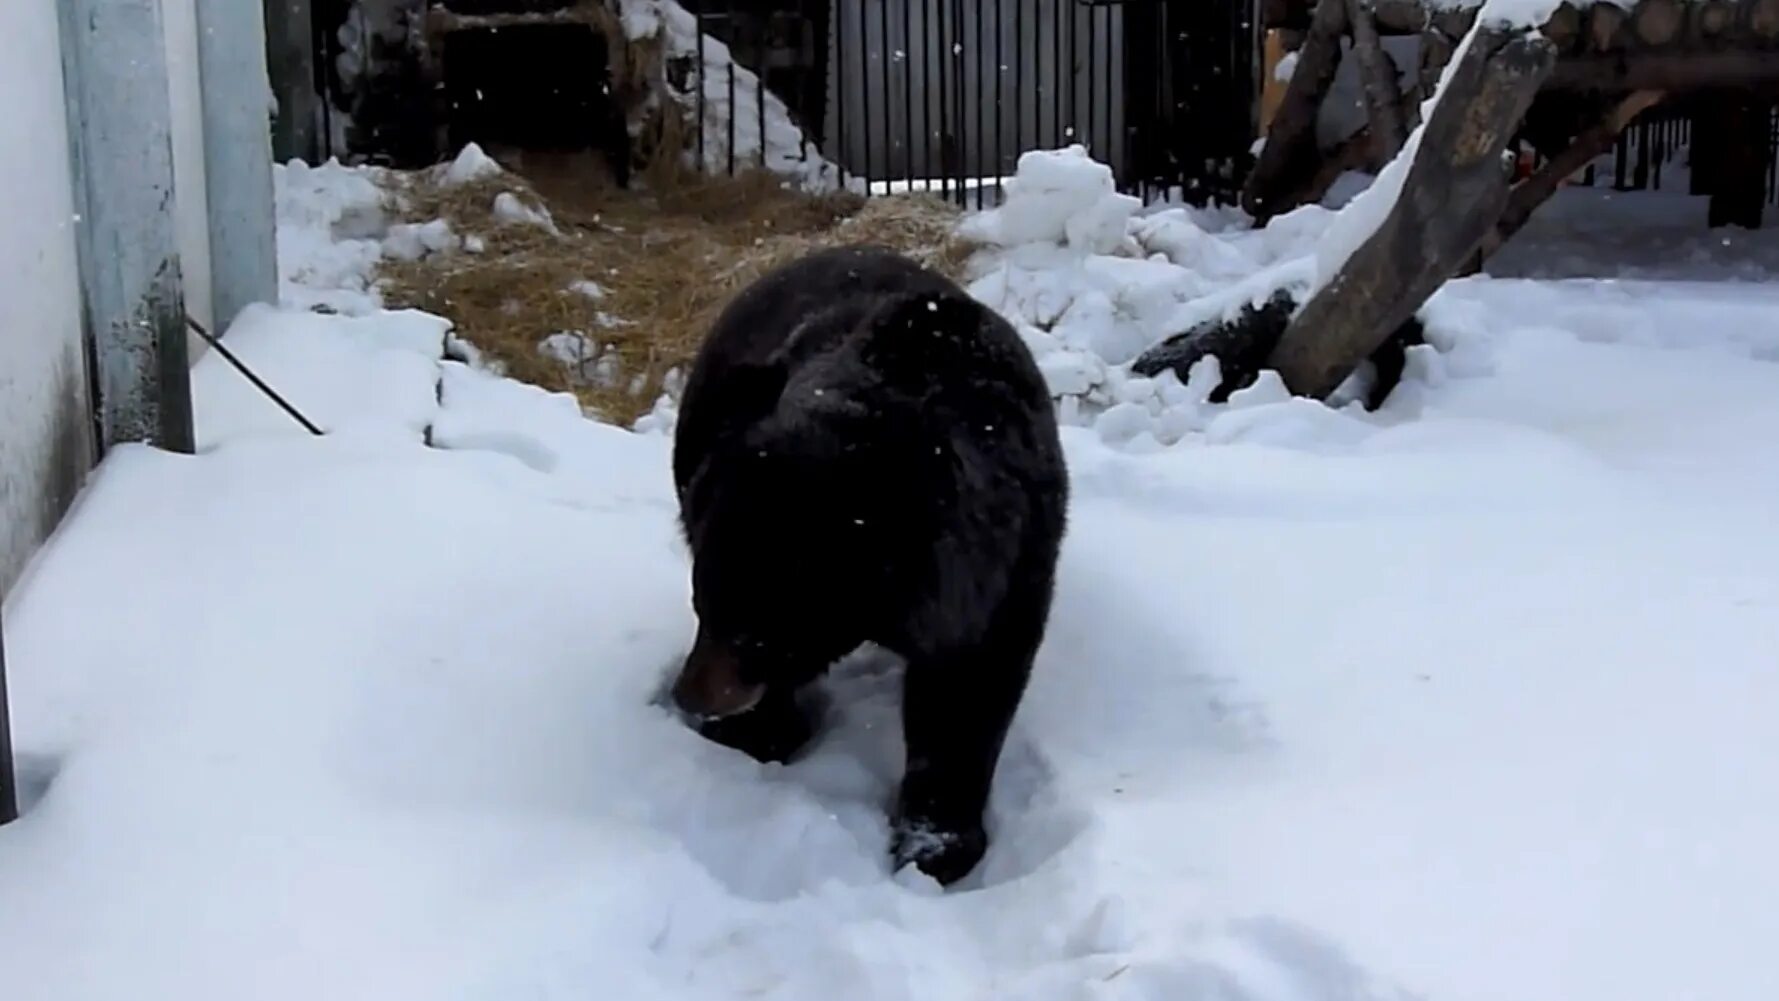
944	95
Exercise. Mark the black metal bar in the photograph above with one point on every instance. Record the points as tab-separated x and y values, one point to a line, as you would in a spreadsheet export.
842	153
980	141
865	89
698	26
908	91
944	105
1055	73
1093	45
761	29
889	51
9	796
733	111
960	121
1000	88
1019	49
258	383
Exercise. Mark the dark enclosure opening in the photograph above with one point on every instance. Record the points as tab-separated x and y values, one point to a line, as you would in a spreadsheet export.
534	87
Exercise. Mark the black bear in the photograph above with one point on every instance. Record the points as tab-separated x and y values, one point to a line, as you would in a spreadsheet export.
864	453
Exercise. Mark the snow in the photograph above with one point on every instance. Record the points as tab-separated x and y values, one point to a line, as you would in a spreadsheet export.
732	125
471	164
510	208
1464	700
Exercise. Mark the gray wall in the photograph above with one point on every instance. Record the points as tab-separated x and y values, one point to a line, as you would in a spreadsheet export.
45	438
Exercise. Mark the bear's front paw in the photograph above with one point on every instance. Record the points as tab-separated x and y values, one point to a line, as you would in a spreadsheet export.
945	854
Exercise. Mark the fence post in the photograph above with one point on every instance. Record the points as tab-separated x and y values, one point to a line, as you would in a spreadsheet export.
9	796
237	105
290	55
114	73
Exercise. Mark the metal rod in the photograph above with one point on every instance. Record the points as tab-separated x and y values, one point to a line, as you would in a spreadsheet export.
260	384
889	56
908	91
9	796
733	111
865	88
698	27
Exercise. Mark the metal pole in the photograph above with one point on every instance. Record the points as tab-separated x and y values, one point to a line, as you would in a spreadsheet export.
114	73
9	797
290	53
237	101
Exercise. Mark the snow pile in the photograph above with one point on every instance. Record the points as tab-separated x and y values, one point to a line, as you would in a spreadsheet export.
331	222
782	148
1062	197
510	209
470	164
1091	282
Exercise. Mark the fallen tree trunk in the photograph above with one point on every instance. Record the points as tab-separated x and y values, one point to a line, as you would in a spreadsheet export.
1451	197
1535	190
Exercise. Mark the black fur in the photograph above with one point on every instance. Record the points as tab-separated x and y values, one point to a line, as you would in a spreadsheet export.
866	454
1242	345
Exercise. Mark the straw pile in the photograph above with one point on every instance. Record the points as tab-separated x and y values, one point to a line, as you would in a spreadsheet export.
664	263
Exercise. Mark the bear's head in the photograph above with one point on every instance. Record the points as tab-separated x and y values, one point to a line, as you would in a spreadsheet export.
792	522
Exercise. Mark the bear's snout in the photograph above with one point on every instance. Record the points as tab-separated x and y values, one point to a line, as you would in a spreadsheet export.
710	685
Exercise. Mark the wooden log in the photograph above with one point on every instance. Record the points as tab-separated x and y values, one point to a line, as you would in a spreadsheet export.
1377	76
1763	19
1436	51
1535	190
1564	27
1289	158
1606	27
1451	196
1712	20
1658	23
1739	67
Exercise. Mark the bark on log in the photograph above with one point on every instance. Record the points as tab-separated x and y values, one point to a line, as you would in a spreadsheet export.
1377	75
1606	26
1658	23
1564	27
1763	19
1451	197
1289	158
1735	67
1535	190
1713	20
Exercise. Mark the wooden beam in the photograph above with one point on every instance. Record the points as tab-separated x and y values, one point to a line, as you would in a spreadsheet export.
1669	71
1451	196
1658	23
1592	142
1289	158
1377	76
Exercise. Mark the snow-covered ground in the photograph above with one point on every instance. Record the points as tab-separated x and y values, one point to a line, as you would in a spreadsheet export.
1470	699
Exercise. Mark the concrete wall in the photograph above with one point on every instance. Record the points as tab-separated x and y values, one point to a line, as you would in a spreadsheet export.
179	19
45	437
